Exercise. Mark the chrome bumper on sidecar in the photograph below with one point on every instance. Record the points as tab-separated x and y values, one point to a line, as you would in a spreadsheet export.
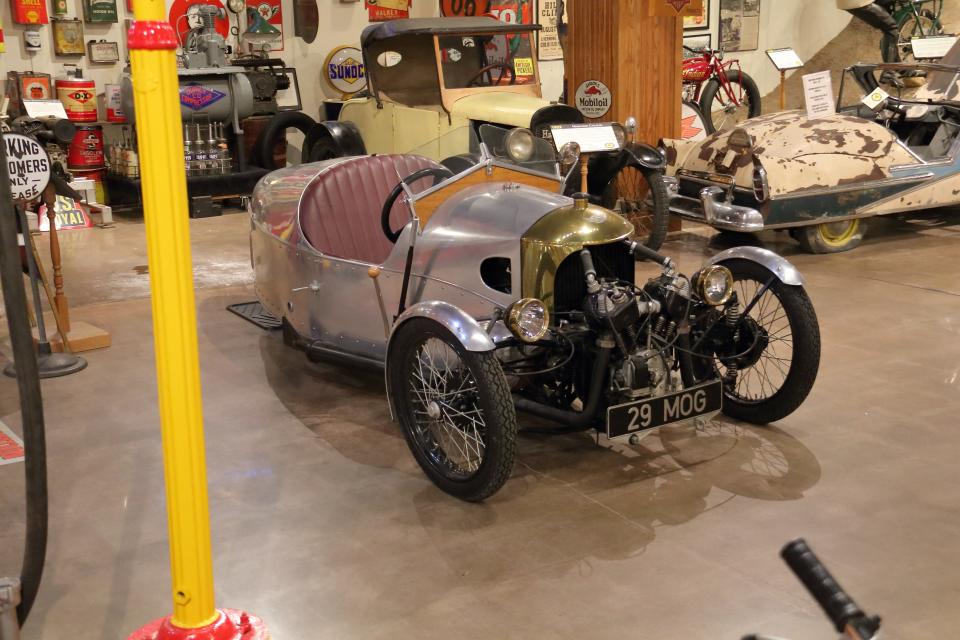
713	209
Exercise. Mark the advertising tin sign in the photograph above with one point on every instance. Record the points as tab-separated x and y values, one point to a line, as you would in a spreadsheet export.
28	166
344	70
593	99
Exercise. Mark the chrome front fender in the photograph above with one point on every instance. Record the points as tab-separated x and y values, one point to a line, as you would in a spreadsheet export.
780	266
461	324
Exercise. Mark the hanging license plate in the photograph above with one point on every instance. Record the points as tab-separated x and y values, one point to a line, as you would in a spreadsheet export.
642	415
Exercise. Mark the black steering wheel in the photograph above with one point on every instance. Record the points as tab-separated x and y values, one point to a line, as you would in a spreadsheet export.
490	67
440	173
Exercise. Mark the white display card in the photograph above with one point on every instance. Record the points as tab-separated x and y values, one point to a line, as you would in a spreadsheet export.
592	138
818	93
41	109
932	48
875	99
784	59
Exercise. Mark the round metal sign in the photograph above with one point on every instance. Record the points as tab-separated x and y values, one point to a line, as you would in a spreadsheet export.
28	166
344	70
450	8
593	99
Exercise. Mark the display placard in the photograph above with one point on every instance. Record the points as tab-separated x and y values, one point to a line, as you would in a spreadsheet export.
784	59
818	93
28	166
932	48
42	109
102	51
592	138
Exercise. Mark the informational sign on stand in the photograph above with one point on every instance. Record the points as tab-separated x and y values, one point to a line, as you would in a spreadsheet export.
818	93
28	166
784	59
592	138
11	446
932	48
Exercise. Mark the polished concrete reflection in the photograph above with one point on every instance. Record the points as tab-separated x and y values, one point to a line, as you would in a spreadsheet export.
323	524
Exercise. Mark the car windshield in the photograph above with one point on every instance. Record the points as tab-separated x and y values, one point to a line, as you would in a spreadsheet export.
487	60
459	149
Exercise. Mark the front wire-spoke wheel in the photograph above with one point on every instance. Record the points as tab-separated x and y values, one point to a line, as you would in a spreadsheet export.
455	409
640	196
925	26
771	366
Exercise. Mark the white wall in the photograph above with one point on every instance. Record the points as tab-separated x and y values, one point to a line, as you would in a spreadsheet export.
804	25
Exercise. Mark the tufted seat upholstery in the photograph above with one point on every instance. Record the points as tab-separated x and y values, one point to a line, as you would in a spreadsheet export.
340	209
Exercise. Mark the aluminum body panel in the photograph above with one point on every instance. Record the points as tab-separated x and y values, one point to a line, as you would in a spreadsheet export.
780	266
461	324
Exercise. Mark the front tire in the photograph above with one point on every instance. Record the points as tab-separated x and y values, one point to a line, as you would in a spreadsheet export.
455	409
927	25
640	196
832	237
769	384
720	111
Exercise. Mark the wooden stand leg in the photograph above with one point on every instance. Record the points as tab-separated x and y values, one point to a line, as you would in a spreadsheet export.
783	90
59	299
42	273
583	174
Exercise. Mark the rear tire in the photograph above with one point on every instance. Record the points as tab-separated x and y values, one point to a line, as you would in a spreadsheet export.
640	196
275	133
832	237
927	25
455	409
743	88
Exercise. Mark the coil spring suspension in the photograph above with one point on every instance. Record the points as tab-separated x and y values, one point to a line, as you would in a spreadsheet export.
732	320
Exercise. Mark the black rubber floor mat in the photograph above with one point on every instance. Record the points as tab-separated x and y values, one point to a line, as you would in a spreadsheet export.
255	313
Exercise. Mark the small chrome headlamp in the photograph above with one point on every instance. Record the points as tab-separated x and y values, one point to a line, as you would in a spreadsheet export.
528	319
715	285
630	126
520	144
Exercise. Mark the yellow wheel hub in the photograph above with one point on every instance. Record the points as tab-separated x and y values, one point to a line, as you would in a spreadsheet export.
837	234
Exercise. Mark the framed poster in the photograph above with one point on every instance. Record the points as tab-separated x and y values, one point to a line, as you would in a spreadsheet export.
548	38
697	42
265	23
739	25
512	11
699	21
67	37
289	99
381	10
100	11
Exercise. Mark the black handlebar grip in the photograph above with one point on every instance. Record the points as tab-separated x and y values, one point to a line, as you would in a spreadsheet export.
839	607
640	251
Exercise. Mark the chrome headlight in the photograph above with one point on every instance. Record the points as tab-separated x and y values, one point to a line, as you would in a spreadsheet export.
520	144
715	285
569	153
528	319
630	126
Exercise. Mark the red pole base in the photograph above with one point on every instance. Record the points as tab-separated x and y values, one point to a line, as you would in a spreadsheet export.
231	625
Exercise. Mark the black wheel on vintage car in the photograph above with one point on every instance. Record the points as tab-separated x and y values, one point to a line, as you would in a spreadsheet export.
770	365
640	196
455	409
832	237
724	113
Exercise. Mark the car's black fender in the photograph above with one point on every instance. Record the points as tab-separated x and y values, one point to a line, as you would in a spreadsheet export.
333	139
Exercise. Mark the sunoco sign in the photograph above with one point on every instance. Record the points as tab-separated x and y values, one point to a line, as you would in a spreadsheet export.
593	99
28	166
345	71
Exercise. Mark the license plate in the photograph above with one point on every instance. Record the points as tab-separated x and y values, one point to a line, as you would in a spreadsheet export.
642	415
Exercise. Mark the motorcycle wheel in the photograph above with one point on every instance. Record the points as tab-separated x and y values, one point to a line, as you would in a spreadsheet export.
717	108
640	196
832	237
455	409
927	25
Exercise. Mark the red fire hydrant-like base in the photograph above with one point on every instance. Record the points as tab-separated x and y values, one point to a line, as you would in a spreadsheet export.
231	625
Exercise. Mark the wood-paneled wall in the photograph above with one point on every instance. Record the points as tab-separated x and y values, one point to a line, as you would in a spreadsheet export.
635	48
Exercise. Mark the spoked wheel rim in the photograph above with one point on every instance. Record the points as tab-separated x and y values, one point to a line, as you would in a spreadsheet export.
634	200
727	113
448	420
913	28
757	374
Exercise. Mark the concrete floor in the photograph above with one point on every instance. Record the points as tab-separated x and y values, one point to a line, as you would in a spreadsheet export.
323	524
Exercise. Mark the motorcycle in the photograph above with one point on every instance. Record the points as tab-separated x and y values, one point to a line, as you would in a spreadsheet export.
726	95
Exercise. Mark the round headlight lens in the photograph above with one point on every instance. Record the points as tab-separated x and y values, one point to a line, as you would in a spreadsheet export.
569	153
520	145
715	285
528	319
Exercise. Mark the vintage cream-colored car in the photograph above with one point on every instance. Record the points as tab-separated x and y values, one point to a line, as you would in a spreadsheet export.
432	76
822	178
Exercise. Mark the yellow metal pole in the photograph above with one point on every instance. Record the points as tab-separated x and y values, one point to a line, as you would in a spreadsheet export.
164	193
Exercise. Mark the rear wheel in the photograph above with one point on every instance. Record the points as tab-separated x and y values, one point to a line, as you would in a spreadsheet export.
832	237
640	196
926	25
727	111
455	409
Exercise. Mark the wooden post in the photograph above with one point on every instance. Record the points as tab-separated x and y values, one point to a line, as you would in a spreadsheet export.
783	89
59	299
635	48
